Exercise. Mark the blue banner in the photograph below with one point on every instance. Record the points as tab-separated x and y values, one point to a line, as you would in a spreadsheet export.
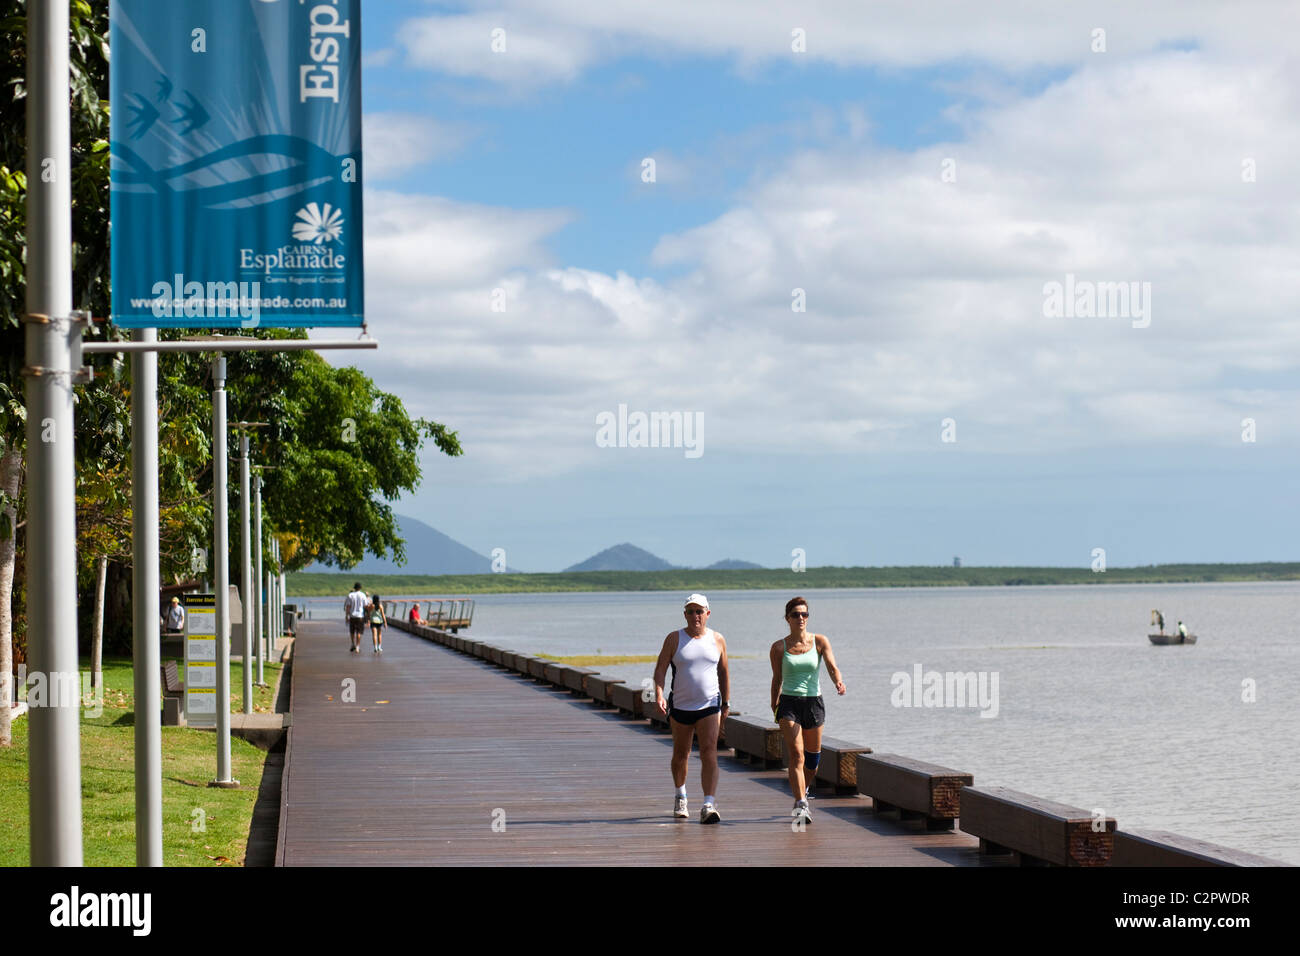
236	163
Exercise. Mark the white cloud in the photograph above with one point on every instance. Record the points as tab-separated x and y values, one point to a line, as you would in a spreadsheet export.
556	39
924	297
526	50
396	142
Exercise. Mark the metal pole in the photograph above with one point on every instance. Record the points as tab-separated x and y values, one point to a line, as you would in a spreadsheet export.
246	571
221	558
273	599
256	589
281	592
266	617
278	607
54	745
144	586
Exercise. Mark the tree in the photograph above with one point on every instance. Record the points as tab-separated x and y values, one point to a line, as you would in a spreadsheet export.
264	386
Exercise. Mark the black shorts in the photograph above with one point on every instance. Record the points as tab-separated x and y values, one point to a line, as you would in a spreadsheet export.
356	625
807	712
692	716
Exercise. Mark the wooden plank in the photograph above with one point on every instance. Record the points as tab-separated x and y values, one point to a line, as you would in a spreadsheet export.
437	748
554	673
1161	848
537	667
1038	828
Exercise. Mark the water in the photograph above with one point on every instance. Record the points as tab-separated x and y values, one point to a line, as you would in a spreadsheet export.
1088	711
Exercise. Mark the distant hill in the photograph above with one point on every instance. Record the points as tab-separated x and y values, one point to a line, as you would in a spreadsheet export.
622	557
428	551
731	564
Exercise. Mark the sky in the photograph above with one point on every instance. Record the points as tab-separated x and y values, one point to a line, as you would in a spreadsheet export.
1007	281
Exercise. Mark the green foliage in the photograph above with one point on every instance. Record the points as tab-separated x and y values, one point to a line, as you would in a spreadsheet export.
282	389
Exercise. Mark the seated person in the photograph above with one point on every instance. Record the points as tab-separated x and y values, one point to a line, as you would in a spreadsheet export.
414	616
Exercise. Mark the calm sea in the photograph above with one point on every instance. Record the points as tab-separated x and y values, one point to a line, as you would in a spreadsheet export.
1195	740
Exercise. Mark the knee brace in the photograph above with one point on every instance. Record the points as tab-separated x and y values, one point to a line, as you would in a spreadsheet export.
811	760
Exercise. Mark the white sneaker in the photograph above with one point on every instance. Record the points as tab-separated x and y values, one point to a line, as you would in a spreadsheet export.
801	813
709	814
679	807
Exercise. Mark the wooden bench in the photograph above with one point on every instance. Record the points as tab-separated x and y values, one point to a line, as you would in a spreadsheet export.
537	667
1160	848
754	739
598	687
173	689
912	787
1037	830
575	679
628	699
554	673
838	767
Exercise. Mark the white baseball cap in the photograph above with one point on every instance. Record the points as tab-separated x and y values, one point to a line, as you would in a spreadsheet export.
698	599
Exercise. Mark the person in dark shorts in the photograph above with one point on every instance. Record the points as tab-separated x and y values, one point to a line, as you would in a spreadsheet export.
697	703
354	612
796	699
377	621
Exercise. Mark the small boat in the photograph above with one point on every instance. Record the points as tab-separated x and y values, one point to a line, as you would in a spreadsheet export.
1172	639
1162	637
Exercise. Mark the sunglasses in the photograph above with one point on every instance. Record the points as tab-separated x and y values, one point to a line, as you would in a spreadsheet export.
695	610
798	613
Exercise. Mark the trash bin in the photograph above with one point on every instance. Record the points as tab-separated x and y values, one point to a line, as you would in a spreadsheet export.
290	615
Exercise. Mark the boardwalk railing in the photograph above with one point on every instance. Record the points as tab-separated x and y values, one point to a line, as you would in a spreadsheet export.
1036	831
449	613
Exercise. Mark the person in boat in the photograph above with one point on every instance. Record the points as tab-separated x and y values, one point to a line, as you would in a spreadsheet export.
1182	630
1160	619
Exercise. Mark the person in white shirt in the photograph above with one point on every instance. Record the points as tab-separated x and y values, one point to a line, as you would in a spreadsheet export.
175	617
354	611
698	700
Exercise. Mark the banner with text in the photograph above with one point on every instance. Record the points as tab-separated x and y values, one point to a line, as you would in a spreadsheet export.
236	163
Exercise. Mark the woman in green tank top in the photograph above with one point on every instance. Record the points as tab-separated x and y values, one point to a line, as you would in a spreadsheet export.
796	699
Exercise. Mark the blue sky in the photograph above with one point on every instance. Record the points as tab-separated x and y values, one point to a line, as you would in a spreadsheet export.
917	177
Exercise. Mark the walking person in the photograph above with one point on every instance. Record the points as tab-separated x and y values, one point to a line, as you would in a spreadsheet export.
354	612
175	617
796	699
698	701
377	622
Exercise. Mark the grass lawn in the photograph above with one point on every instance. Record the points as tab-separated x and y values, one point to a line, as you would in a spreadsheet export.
202	826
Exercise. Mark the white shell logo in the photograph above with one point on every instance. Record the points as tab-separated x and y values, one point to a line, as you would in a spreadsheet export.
318	225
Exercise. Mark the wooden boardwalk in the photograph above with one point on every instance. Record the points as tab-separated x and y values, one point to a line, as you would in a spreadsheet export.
444	759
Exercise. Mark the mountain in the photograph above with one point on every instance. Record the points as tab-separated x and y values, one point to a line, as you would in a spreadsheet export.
428	551
731	564
622	557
